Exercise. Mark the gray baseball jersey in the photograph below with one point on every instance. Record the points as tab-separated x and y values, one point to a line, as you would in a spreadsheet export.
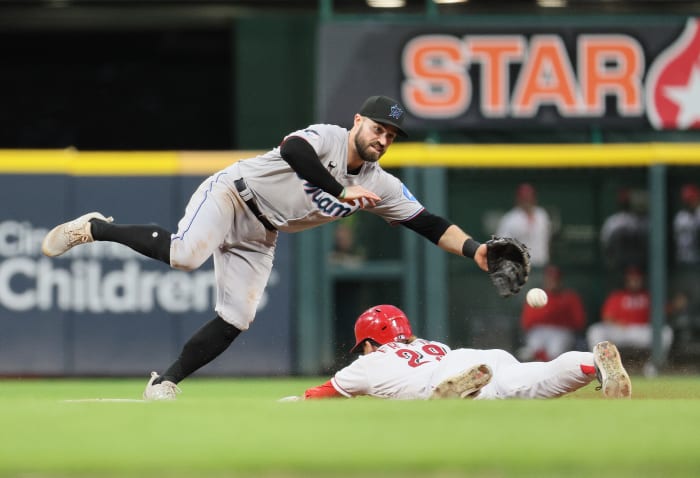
218	223
292	204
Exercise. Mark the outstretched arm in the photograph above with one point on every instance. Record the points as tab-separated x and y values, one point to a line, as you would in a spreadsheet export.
449	237
456	241
351	381
325	390
302	157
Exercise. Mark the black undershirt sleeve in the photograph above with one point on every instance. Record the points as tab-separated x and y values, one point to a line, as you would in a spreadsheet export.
303	159
428	225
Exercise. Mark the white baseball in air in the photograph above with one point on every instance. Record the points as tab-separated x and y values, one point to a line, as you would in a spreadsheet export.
536	297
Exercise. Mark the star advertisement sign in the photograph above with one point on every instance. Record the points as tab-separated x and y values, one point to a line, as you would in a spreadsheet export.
451	77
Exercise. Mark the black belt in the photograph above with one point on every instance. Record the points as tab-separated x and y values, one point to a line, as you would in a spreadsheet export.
252	204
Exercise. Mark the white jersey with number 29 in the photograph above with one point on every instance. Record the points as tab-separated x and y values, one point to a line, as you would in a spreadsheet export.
412	371
395	370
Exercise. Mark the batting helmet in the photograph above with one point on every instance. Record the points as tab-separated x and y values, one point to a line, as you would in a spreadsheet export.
382	324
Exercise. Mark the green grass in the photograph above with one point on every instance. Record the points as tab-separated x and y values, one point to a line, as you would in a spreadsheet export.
235	427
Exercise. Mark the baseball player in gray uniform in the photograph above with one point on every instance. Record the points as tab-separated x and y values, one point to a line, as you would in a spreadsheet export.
317	175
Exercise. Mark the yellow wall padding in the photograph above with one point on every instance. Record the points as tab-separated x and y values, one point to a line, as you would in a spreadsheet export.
166	163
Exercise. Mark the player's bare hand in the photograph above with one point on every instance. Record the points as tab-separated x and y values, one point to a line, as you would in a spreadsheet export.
356	193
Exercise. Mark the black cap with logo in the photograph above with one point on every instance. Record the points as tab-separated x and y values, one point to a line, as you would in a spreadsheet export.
384	110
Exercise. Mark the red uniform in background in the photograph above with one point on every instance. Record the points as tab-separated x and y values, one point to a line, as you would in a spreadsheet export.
551	330
625	307
564	308
625	317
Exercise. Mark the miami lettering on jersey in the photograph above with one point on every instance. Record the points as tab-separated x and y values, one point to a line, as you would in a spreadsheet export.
327	203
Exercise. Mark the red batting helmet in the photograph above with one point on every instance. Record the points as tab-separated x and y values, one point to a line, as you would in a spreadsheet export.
382	324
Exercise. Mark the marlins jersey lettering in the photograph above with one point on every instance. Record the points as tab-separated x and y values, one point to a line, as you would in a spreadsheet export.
304	205
395	370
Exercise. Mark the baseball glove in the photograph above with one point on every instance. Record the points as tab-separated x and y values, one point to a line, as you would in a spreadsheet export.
509	264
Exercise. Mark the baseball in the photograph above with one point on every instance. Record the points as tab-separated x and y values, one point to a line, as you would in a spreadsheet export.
536	297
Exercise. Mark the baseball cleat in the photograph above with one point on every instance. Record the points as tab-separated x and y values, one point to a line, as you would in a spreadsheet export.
165	390
467	384
67	235
613	378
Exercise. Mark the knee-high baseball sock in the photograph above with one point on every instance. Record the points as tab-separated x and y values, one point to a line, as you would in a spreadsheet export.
150	240
204	346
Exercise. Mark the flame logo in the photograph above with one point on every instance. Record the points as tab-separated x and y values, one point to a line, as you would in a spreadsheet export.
673	83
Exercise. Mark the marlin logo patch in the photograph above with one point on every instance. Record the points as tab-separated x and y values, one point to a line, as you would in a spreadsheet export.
396	112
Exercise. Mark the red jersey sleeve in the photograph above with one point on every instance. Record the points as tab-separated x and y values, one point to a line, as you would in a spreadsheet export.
322	391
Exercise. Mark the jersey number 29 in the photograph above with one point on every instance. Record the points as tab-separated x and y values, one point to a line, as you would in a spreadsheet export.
416	359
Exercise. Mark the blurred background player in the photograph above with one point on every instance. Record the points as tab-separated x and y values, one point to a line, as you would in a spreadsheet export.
686	227
345	250
684	304
529	223
625	317
624	235
551	330
396	364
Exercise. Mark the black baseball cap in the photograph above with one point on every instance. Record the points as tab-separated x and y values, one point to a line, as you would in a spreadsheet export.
384	110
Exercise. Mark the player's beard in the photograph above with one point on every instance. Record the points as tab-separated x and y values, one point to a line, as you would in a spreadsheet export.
366	151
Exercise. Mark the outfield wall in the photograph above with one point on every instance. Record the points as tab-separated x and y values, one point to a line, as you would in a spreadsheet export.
102	309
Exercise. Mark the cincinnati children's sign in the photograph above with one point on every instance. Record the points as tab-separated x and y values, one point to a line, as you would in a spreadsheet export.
96	278
485	77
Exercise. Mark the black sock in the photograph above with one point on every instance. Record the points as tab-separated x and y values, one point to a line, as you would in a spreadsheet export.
204	346
150	240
